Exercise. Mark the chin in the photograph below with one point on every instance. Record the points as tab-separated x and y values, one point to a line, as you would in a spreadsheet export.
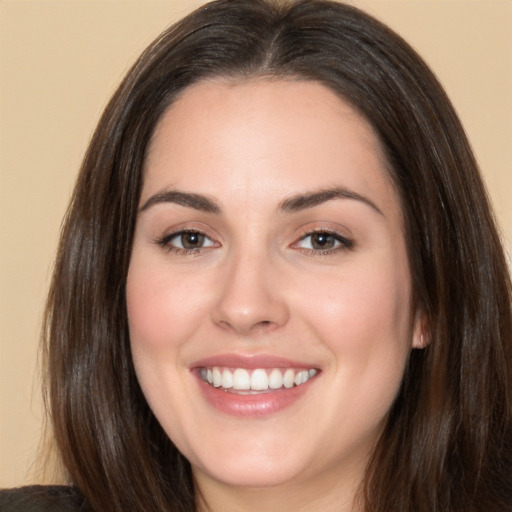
252	468
254	475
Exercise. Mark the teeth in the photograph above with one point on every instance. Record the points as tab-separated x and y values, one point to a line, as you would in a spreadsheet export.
259	380
301	377
217	378
227	379
275	379
241	379
289	378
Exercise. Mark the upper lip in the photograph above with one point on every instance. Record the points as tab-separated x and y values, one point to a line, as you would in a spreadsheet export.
233	360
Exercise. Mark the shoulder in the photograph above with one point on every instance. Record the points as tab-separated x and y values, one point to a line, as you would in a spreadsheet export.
42	498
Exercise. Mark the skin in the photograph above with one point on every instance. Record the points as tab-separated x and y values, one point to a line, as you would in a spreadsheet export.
258	285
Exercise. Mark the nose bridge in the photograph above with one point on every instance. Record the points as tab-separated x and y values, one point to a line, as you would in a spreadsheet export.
250	298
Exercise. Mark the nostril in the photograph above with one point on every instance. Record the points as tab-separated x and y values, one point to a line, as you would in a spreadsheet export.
264	325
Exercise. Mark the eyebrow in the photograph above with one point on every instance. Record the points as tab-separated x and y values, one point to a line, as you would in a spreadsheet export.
309	200
293	204
196	201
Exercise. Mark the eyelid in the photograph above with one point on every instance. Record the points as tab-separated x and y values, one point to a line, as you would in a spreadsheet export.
179	234
165	239
345	243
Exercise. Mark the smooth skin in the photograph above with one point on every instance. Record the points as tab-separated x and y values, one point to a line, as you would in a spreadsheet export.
268	265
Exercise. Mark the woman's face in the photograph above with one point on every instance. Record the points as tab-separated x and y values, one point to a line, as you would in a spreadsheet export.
269	290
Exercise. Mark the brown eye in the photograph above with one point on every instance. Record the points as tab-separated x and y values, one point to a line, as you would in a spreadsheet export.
192	240
322	241
186	241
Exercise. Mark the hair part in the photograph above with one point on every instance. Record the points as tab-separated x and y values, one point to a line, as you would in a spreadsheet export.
447	445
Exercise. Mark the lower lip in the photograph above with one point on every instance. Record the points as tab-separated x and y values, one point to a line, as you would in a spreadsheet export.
253	406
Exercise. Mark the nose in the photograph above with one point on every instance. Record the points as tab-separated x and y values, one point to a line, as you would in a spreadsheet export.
251	298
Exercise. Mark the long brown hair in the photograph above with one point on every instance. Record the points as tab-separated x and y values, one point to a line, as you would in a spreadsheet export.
448	441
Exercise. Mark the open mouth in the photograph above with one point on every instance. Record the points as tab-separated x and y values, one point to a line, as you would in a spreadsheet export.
255	381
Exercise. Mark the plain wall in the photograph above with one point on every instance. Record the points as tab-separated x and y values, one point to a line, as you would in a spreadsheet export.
59	63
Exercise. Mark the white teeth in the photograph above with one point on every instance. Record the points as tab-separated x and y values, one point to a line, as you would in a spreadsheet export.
289	378
258	380
227	379
301	377
241	379
217	378
275	379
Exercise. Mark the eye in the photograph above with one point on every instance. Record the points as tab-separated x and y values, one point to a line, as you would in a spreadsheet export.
324	242
186	240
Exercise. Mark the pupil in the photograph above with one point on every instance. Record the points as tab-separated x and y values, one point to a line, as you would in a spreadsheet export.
322	241
192	240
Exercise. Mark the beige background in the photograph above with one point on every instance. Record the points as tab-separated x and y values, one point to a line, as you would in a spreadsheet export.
59	63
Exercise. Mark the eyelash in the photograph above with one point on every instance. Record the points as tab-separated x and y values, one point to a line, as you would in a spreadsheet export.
344	243
165	240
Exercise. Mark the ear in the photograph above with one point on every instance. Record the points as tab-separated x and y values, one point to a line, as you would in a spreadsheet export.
420	332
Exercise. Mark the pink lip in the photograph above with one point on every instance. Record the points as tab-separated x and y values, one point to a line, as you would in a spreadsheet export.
250	406
249	362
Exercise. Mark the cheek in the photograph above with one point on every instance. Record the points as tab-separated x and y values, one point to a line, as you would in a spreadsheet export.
376	302
163	310
363	317
164	313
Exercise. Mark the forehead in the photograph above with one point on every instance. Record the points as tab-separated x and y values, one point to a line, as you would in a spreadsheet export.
297	134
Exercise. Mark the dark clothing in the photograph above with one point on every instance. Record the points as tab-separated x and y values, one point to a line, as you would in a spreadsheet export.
42	498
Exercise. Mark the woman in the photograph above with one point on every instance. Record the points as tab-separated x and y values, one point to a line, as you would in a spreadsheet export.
279	284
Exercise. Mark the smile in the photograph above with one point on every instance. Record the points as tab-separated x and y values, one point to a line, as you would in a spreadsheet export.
255	381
